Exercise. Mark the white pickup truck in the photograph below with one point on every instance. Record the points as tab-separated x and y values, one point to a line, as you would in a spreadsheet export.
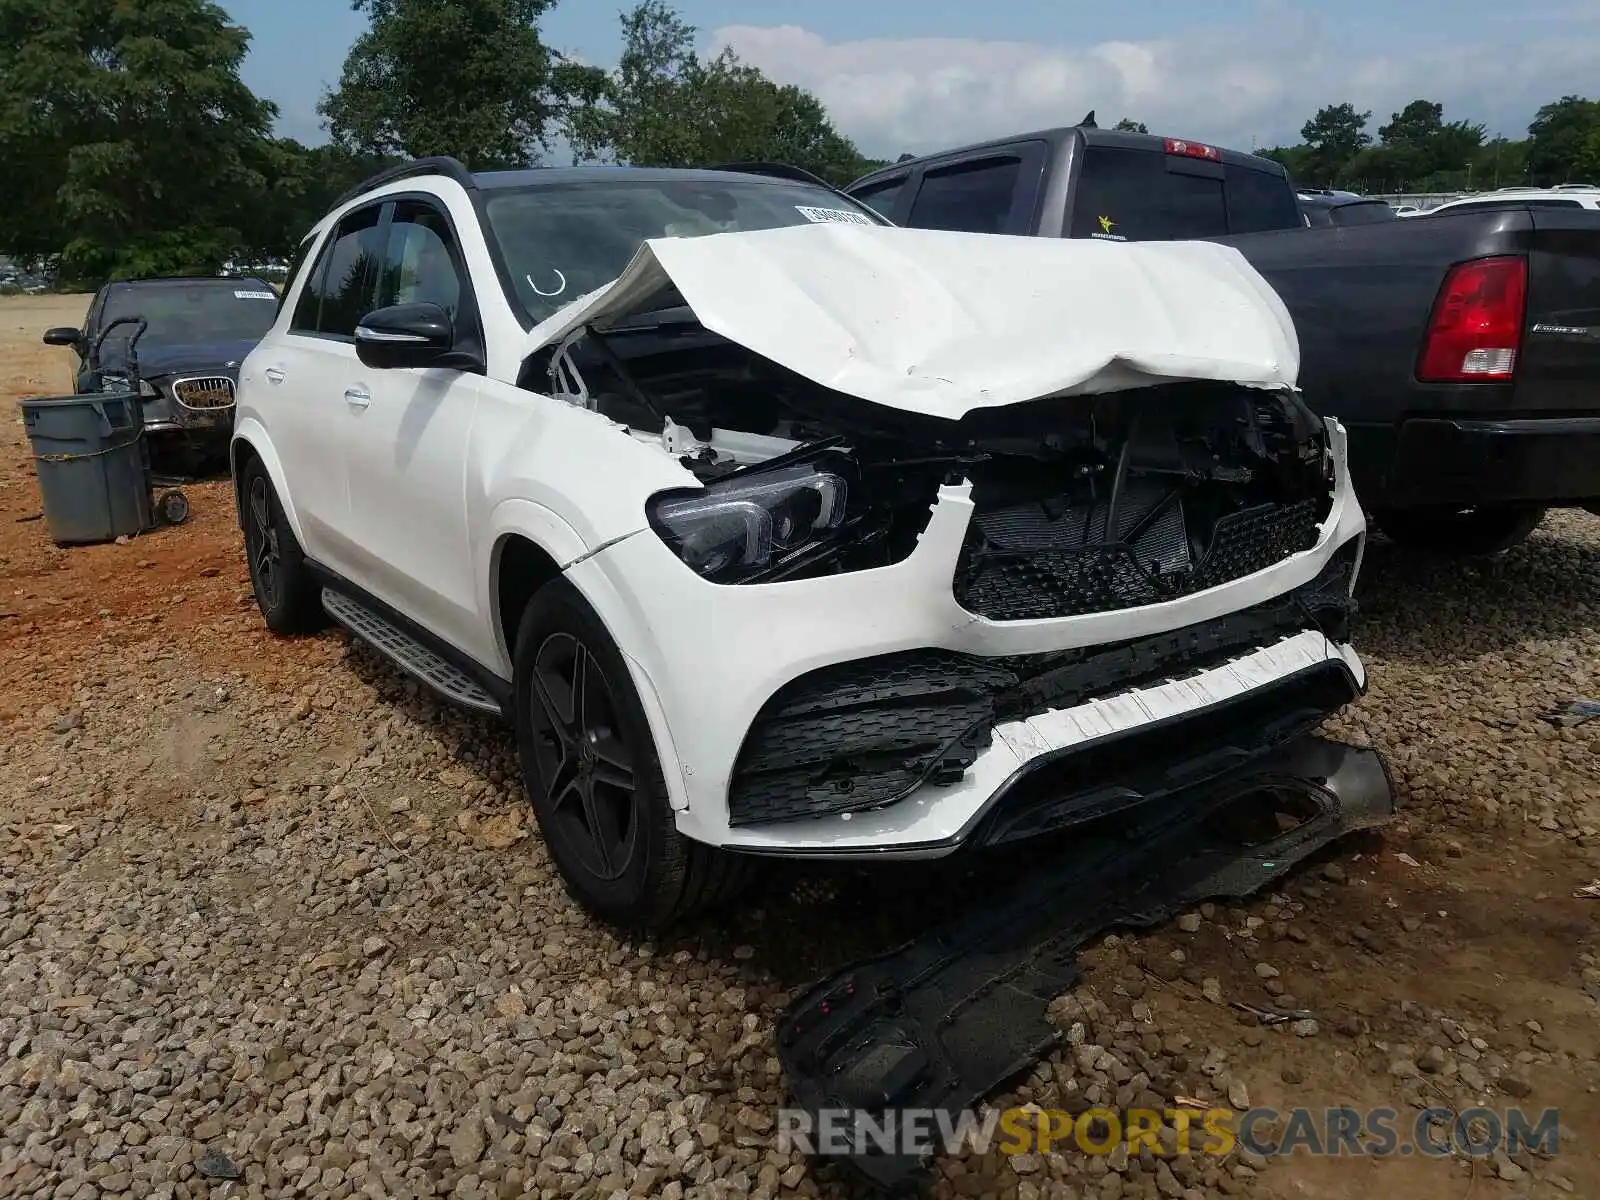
777	530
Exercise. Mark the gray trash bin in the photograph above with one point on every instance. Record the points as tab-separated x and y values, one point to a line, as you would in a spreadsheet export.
93	472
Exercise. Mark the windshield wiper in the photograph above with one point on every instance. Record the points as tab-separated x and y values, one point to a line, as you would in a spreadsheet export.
675	316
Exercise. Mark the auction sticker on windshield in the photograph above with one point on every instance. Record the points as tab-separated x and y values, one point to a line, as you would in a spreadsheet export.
824	215
255	296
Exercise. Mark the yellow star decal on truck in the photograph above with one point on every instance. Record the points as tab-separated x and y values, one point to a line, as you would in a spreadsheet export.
1105	224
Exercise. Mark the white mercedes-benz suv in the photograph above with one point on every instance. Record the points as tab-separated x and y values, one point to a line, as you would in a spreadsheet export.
776	530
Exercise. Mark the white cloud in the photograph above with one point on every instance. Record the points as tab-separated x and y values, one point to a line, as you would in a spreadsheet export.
1226	85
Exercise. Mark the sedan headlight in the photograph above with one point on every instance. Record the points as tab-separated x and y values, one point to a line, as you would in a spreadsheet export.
741	524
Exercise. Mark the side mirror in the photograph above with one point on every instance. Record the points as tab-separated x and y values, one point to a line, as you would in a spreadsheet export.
405	335
63	335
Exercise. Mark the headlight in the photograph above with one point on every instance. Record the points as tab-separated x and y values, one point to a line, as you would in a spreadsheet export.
148	389
739	525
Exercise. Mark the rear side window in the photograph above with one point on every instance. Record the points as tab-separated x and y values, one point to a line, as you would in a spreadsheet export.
881	197
1129	195
975	197
343	285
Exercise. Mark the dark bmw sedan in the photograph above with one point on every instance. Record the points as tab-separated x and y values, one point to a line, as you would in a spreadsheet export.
178	342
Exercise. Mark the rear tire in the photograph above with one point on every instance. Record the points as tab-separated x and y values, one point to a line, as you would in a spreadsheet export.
289	598
590	766
1459	531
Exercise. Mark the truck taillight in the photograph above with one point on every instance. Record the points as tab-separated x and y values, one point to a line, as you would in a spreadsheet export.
1192	149
1475	329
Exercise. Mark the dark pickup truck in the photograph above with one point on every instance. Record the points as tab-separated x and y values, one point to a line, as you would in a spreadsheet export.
1460	351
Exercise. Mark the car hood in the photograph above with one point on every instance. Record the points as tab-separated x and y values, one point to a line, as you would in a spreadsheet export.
943	323
157	359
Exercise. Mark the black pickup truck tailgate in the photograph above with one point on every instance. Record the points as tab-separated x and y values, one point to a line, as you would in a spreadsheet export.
1361	297
1560	368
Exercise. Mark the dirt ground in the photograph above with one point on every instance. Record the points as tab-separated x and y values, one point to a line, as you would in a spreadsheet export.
1448	960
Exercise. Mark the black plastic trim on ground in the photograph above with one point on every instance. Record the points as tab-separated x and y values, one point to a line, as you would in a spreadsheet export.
939	1023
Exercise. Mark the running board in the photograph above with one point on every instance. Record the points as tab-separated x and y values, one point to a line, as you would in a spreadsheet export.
933	1027
409	654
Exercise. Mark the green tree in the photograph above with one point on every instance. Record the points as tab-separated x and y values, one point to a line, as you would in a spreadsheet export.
666	106
1295	159
1334	137
131	146
1127	125
302	182
1589	157
1558	139
1418	150
469	78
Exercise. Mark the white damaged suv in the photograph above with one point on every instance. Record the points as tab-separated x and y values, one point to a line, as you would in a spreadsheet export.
775	530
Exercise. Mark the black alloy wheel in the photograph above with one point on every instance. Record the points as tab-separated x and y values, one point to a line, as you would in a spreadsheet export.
261	545
590	765
584	758
289	597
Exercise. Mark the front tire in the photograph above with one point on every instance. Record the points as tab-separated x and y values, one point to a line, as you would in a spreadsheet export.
590	766
1459	531
288	596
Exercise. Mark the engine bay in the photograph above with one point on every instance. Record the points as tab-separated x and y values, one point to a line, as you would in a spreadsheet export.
1080	503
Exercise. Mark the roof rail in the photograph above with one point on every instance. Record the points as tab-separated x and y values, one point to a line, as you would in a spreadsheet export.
441	164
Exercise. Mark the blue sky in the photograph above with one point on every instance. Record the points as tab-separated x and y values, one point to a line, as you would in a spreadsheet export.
920	76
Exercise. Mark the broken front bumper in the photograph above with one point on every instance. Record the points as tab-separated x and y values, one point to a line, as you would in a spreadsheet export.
743	685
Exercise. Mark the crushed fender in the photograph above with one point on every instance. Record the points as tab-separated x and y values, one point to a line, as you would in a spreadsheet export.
943	1020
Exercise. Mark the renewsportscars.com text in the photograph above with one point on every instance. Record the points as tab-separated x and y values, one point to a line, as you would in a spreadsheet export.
1269	1132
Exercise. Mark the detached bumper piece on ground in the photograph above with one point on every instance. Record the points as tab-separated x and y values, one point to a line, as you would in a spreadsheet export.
944	1020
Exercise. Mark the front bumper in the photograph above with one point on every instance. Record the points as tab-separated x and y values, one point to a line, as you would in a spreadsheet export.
1551	460
707	659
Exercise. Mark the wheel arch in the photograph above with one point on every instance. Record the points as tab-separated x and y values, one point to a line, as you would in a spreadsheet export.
250	444
532	546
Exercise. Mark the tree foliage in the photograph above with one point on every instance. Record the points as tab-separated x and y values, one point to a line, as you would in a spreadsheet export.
469	78
665	105
1418	150
1333	137
1128	125
131	145
1563	140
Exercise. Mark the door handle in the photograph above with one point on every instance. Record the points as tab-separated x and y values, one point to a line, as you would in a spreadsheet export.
274	374
357	397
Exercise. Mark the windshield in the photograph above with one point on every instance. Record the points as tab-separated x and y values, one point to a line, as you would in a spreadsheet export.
560	241
202	311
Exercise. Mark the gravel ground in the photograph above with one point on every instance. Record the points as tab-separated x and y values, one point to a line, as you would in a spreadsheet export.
272	923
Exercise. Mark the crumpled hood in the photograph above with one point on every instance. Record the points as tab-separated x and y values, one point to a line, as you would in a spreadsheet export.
942	323
157	359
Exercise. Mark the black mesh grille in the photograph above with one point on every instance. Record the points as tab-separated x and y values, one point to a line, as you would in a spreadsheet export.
862	734
1019	585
